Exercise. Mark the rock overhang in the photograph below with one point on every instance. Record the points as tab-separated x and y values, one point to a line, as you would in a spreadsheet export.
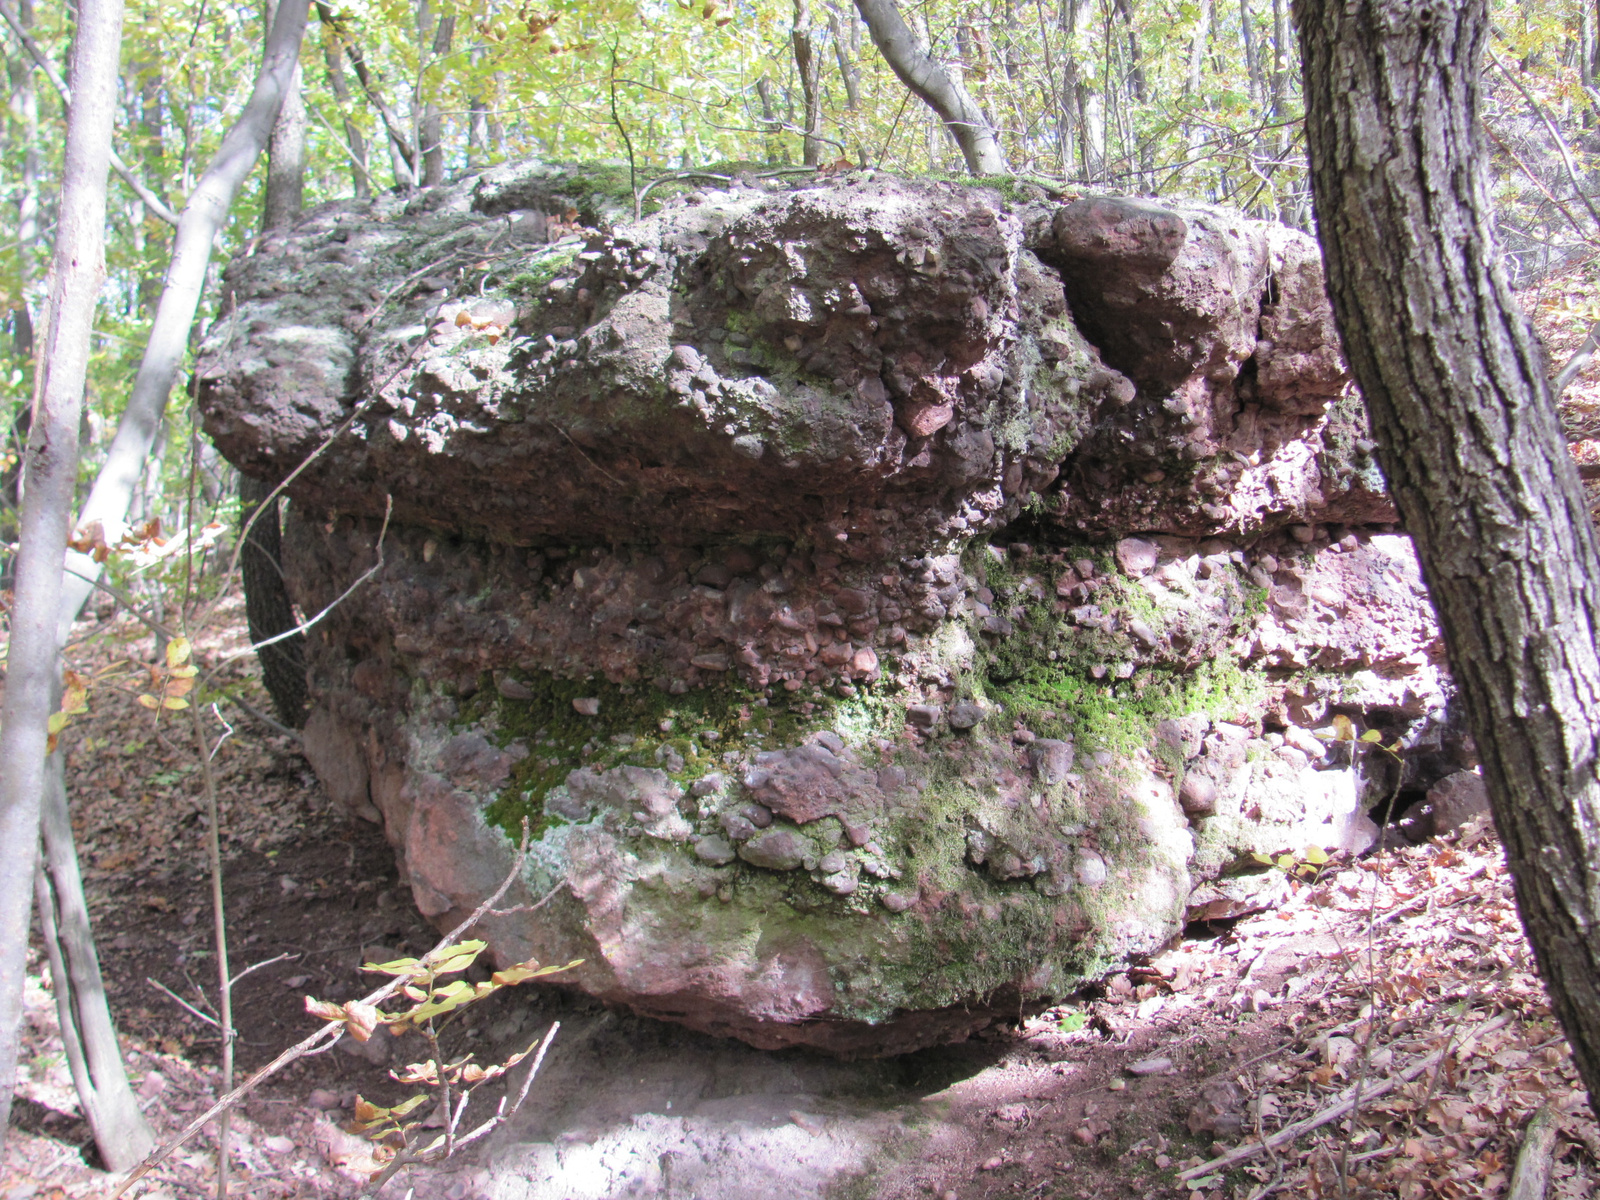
844	774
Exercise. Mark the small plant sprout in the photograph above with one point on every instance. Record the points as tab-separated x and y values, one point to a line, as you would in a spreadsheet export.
433	1001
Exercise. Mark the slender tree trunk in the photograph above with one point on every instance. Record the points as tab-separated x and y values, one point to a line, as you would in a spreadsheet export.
151	201
849	73
1251	63
25	114
430	139
286	154
202	217
32	667
355	142
808	66
927	78
401	156
87	1032
1469	438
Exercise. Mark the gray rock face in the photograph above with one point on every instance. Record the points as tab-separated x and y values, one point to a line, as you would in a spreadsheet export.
707	559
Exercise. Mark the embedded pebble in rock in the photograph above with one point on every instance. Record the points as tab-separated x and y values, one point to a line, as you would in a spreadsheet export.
832	675
965	716
897	902
714	850
1090	869
1137	556
778	850
511	689
1050	759
1198	794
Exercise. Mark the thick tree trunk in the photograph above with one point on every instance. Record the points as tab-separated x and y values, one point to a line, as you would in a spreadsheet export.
934	86
1469	437
32	664
268	610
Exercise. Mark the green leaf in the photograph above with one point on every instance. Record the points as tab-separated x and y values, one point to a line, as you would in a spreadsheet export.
1372	735
398	966
531	969
1315	855
454	958
1264	859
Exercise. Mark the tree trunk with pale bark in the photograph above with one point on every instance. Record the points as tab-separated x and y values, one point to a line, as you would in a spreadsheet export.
1469	437
33	667
928	79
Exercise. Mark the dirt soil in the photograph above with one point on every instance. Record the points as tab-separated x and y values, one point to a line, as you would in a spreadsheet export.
1233	1034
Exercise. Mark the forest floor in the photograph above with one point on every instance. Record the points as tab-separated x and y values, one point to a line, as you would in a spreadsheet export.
1232	1034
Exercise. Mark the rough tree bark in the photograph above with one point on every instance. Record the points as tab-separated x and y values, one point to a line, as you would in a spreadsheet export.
32	666
268	610
808	66
286	156
1469	437
934	86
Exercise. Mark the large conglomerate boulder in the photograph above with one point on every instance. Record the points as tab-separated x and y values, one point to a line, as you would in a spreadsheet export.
884	602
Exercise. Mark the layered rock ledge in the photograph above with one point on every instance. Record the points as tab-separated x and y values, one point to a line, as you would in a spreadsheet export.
887	602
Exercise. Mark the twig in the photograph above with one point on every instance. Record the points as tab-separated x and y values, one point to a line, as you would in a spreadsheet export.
322	1039
304	626
264	963
172	995
1531	1179
1337	1109
1393	913
1555	135
1579	360
256	714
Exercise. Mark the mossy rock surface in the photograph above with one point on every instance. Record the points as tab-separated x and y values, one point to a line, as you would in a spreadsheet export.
882	602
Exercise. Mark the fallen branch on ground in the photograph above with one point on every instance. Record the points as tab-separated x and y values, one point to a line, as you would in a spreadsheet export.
1338	1108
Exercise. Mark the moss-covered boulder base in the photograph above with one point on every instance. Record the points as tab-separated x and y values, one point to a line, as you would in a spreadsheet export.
885	603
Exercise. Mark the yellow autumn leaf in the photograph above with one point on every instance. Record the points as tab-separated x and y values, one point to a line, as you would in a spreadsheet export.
185	672
179	687
178	651
57	722
174	703
1344	729
1315	855
149	701
1372	735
